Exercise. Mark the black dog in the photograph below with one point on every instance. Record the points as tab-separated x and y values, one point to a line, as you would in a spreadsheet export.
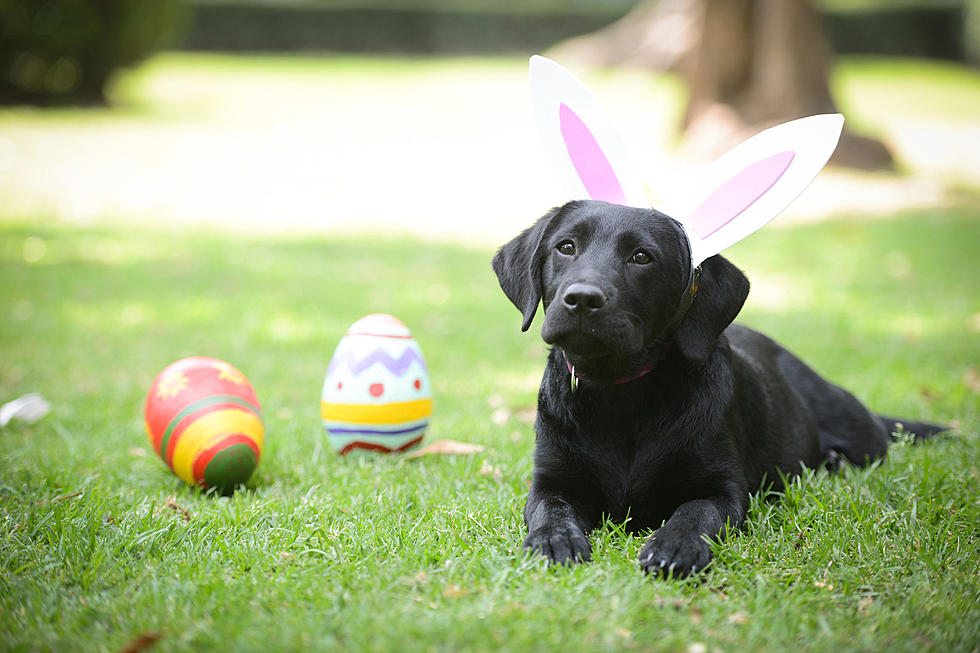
651	405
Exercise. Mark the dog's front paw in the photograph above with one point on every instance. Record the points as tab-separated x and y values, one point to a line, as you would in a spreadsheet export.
561	544
674	554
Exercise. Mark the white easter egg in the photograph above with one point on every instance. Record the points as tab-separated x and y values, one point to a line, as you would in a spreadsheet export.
376	393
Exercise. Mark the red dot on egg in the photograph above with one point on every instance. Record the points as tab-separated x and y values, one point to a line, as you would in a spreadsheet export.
376	389
418	384
340	385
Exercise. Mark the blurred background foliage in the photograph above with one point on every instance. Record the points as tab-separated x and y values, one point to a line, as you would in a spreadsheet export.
65	51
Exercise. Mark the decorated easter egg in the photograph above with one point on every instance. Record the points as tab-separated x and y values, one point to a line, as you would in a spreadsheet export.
376	393
204	421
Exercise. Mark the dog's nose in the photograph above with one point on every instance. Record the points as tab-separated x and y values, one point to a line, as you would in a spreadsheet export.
583	298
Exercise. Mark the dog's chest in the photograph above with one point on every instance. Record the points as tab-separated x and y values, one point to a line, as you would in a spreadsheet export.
632	474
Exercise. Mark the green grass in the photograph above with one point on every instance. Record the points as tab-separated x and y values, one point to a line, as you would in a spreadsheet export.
384	553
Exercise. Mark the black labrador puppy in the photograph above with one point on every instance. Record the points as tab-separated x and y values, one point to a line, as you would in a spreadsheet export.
653	405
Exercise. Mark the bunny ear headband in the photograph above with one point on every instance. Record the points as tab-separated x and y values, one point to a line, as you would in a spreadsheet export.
735	196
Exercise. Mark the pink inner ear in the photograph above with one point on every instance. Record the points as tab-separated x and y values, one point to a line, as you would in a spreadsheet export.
738	194
590	162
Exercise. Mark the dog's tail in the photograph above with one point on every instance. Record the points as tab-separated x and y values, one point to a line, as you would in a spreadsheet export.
899	428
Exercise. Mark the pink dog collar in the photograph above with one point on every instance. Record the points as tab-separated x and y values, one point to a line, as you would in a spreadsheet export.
575	379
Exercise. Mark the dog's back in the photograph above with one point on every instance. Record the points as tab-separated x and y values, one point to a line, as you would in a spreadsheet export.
844	425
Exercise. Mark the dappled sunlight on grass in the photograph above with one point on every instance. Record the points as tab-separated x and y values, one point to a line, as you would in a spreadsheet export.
886	314
326	544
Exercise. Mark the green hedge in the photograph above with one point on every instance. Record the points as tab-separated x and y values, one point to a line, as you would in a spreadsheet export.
263	27
58	51
972	32
934	30
61	51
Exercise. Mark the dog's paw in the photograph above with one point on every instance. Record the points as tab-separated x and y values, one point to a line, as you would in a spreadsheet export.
562	545
673	554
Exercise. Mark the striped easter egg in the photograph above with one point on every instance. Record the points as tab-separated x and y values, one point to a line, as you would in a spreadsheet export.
203	419
376	393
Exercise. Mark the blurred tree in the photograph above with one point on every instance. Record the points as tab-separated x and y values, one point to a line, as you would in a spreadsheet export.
972	36
747	63
65	51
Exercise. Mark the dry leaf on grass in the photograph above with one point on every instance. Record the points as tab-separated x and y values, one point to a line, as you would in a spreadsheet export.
183	512
972	379
446	448
455	592
142	642
974	322
486	469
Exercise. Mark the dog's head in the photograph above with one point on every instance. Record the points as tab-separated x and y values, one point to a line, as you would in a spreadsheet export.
611	279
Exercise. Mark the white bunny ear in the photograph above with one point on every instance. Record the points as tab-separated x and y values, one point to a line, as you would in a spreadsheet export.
752	183
585	150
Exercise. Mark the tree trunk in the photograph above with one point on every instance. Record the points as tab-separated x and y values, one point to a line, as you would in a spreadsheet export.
748	64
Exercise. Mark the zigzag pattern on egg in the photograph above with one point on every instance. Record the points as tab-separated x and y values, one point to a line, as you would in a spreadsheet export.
358	364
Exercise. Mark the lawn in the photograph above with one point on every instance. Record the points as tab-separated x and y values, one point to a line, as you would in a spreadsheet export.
102	547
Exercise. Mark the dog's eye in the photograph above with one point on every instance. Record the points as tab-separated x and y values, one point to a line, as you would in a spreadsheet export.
566	247
641	258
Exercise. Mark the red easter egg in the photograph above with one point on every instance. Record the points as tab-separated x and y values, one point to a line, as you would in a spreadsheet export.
204	421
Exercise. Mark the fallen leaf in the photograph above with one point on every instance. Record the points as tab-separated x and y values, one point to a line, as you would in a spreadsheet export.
29	408
929	394
972	379
171	503
737	618
137	452
486	469
446	448
454	592
695	616
412	581
974	322
142	642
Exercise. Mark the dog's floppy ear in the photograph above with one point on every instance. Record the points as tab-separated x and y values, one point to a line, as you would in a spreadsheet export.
721	293
518	267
